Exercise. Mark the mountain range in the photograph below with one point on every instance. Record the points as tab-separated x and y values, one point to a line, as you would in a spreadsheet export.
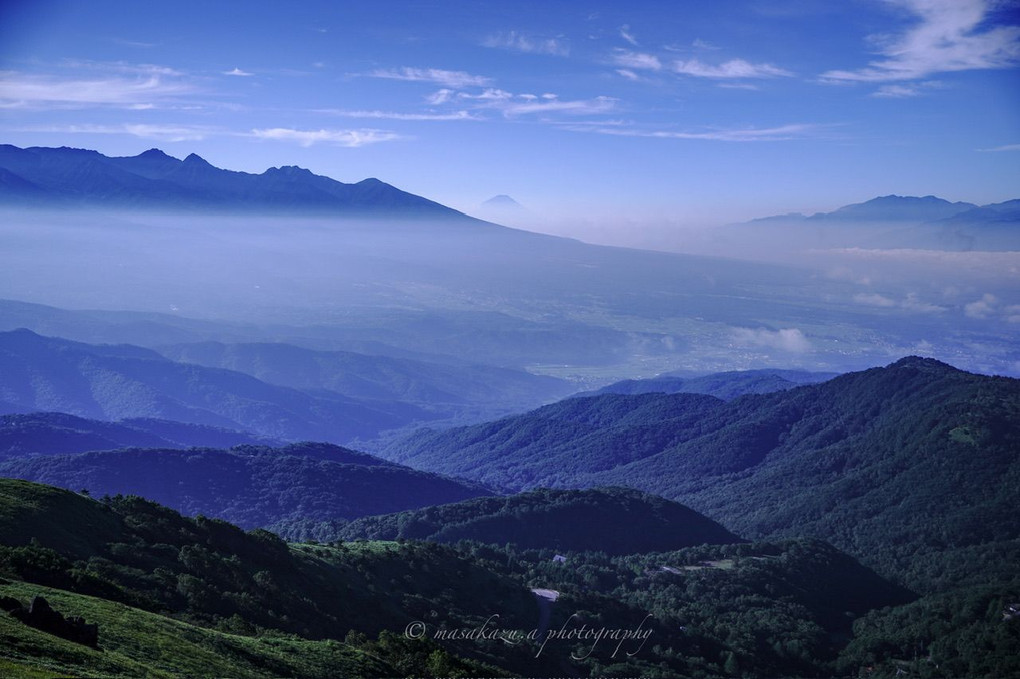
177	596
40	433
725	385
252	486
112	382
72	177
610	520
889	222
860	460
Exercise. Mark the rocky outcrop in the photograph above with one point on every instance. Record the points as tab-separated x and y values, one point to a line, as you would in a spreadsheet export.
41	616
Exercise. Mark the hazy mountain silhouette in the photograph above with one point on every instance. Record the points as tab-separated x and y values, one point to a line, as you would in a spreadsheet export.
114	382
74	177
725	385
59	433
250	485
886	222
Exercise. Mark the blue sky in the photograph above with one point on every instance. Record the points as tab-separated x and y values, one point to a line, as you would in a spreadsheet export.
603	112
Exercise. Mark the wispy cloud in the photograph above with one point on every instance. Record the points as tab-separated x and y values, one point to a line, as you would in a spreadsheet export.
627	35
134	43
392	115
912	302
512	40
981	308
511	105
874	299
906	91
452	79
171	133
790	340
738	86
628	74
238	72
947	37
1007	147
19	90
745	134
636	60
440	97
734	68
346	138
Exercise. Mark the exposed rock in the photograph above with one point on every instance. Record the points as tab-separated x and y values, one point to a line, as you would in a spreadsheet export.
41	616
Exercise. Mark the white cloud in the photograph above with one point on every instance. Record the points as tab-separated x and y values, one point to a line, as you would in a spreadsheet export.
489	94
636	60
439	96
896	91
1007	147
628	74
522	104
900	91
874	300
703	45
982	308
19	90
734	68
781	133
519	42
347	138
238	72
914	303
392	115
947	37
791	340
451	79
626	34
172	133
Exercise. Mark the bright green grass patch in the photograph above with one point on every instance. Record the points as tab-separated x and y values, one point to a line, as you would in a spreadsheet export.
138	644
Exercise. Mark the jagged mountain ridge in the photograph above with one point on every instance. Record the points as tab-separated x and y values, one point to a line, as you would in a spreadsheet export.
75	177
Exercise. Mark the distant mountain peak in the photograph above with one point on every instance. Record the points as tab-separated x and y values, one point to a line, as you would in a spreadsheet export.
155	153
195	159
502	200
922	363
898	208
289	171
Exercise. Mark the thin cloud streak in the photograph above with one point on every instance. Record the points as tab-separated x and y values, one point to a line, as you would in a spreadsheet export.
997	149
452	79
345	138
512	40
626	34
734	68
171	133
780	133
946	39
43	91
636	60
511	105
390	115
